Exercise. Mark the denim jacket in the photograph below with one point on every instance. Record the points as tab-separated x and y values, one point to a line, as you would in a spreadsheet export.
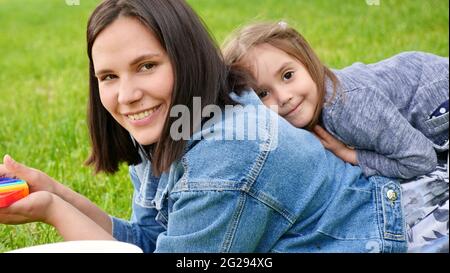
282	192
384	110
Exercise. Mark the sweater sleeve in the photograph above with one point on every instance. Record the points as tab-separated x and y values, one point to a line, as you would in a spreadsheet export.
386	143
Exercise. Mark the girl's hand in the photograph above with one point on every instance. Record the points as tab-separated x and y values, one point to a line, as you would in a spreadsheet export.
36	180
36	207
335	146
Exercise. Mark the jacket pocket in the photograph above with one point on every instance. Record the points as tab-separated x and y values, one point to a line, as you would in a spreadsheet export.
351	215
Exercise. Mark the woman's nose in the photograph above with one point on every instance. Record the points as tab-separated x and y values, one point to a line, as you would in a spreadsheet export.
128	92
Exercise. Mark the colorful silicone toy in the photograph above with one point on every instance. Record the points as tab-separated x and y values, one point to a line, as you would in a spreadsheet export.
11	190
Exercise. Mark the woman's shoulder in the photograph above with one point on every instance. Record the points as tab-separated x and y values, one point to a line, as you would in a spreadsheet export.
236	145
227	145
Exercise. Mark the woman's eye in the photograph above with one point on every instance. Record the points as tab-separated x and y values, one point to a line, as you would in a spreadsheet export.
288	75
147	66
108	77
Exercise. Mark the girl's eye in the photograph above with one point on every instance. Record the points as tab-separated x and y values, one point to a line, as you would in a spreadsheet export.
288	75
147	66
263	93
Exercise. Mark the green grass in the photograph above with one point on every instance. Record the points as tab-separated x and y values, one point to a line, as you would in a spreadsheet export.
43	75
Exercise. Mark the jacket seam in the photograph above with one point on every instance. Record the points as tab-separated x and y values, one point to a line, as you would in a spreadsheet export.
231	231
273	204
261	159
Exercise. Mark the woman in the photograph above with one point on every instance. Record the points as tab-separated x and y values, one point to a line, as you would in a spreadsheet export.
205	194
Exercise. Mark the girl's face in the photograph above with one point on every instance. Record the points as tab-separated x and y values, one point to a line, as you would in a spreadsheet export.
284	81
135	78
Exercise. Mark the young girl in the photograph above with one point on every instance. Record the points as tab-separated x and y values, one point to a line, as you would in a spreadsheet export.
201	195
394	114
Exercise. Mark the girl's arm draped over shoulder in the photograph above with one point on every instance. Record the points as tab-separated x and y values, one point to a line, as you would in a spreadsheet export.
335	145
385	142
383	118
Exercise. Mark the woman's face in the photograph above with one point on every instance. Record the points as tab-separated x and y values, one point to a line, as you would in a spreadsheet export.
135	78
285	82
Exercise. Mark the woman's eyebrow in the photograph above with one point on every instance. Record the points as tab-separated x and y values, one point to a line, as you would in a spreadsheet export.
132	63
143	57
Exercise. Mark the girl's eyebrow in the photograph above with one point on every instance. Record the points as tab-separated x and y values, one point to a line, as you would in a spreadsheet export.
132	63
282	67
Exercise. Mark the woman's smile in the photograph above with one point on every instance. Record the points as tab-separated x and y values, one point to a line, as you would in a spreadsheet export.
145	117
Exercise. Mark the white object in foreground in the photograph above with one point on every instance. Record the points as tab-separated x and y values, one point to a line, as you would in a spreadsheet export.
81	247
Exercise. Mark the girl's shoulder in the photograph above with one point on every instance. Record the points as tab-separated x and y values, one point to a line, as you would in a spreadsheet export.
408	68
409	63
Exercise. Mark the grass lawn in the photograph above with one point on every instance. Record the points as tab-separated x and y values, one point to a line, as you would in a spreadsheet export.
44	86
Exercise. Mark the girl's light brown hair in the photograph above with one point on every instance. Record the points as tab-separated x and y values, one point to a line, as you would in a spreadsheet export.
287	39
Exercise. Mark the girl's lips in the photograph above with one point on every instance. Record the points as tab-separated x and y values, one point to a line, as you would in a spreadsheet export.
293	110
147	120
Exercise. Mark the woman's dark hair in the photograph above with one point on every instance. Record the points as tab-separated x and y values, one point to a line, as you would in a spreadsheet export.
199	71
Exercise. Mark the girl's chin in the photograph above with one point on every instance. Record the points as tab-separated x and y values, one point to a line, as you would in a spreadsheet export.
299	123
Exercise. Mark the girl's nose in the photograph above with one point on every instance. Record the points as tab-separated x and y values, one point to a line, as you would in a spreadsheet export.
284	97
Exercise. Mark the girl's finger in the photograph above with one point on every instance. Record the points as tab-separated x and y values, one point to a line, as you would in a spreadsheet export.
318	137
324	143
321	133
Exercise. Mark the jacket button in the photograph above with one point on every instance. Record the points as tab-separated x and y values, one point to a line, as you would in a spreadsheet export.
391	195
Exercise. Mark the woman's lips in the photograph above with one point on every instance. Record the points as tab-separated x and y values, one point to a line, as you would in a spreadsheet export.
146	120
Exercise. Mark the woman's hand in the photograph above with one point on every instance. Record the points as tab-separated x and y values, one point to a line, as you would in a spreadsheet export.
73	215
36	207
36	180
43	206
65	197
336	146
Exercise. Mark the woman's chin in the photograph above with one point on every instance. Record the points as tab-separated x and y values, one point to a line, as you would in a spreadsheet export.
145	139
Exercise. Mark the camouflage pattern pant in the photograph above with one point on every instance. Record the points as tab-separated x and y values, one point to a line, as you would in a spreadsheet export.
426	208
